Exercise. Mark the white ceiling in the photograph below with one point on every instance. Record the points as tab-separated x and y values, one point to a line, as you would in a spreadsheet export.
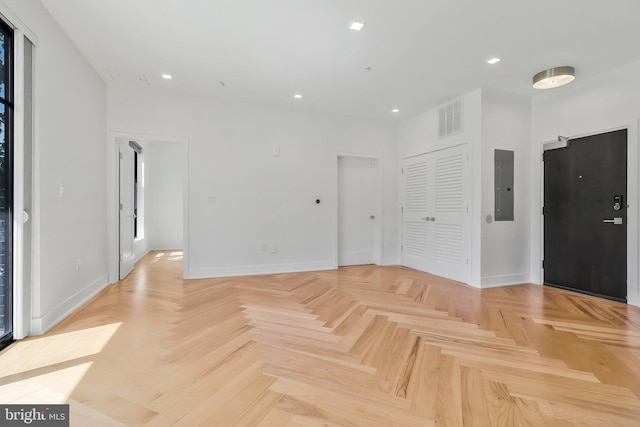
422	52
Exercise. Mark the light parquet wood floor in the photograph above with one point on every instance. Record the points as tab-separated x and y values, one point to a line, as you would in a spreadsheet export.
360	346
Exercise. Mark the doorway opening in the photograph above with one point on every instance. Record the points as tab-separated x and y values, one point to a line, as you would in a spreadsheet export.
585	215
150	198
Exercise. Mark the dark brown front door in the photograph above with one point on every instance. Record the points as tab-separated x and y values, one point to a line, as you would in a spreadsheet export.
585	215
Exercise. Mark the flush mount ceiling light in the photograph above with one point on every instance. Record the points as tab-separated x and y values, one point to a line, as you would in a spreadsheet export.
554	77
395	110
167	76
493	60
297	96
356	26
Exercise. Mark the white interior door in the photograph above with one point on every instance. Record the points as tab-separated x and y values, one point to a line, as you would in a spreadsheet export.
127	256
417	235
356	210
435	226
451	244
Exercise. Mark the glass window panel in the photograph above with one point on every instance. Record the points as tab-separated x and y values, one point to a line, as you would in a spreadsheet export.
6	184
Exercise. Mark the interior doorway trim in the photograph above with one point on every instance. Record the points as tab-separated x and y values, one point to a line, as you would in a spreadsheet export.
113	214
378	234
633	160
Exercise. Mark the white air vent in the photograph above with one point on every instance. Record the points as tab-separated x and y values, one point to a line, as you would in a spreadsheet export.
450	118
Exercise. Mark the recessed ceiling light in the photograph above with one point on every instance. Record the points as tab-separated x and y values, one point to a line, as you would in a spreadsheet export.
297	96
356	26
167	76
493	60
395	110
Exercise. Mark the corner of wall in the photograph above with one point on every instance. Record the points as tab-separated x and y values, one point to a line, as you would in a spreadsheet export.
41	325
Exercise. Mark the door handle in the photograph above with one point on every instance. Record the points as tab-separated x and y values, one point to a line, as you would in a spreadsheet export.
426	218
616	221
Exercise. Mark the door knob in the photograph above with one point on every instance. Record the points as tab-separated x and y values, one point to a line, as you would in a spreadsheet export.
433	219
426	218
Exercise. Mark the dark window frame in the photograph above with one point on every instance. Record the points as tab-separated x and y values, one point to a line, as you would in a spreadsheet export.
135	195
137	152
6	208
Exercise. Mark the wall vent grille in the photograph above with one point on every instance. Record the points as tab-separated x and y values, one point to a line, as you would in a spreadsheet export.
450	120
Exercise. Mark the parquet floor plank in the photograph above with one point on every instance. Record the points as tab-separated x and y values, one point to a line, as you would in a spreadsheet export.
359	346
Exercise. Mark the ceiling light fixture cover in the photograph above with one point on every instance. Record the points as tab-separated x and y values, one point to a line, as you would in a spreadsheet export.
395	110
356	26
493	60
167	76
297	96
554	77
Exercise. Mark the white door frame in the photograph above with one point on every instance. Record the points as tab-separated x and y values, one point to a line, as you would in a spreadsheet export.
113	208
127	203
378	236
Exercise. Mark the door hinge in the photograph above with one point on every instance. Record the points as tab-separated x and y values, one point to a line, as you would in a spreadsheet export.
542	156
401	209
402	171
121	206
542	263
120	156
543	210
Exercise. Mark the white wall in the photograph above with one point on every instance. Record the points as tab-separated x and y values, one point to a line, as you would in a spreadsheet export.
419	134
163	188
492	120
241	196
604	102
70	130
506	125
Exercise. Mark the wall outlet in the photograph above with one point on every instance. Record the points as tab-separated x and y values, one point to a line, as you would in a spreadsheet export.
274	249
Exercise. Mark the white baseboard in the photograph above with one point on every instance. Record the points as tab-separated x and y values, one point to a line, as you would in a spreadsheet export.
390	260
256	270
506	280
41	325
142	255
